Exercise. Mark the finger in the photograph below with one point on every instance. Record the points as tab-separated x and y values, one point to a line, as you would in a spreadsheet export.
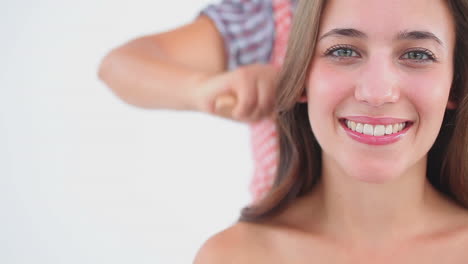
224	105
215	89
210	95
266	97
247	99
266	92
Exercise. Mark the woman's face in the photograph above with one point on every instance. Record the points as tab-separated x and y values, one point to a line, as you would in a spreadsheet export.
379	84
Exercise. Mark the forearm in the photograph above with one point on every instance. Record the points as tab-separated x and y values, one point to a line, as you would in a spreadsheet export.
140	74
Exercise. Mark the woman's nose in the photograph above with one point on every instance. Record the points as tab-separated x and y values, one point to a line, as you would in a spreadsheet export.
377	83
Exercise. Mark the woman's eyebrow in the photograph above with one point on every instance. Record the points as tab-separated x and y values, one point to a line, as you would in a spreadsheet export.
414	35
403	35
344	32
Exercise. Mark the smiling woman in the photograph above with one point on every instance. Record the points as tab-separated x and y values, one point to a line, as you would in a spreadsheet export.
373	118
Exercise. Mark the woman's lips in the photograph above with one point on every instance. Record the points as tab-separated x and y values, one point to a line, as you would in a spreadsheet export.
375	131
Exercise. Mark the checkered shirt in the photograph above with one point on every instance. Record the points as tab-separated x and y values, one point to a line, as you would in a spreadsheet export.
256	31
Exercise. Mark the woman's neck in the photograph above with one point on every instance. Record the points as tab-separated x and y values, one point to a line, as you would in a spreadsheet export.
376	214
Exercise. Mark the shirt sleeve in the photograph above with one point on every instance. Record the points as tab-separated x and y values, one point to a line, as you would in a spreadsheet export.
247	28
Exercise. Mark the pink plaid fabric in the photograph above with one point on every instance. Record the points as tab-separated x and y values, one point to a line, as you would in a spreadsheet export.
263	134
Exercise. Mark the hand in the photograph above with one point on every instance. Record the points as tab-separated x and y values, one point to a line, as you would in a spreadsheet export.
246	94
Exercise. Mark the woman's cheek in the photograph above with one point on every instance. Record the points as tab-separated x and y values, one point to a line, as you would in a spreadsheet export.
428	92
328	85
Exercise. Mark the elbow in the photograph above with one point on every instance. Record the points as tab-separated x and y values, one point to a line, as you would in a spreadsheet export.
114	62
104	67
109	70
115	72
101	70
108	73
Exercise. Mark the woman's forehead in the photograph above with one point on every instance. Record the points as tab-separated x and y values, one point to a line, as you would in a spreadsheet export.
386	19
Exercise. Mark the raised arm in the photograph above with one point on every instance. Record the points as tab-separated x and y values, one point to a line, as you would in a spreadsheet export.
162	70
187	68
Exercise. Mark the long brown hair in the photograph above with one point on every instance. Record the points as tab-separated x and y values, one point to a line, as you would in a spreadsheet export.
299	167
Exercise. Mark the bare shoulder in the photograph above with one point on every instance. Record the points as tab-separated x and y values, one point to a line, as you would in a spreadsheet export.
236	244
463	230
454	236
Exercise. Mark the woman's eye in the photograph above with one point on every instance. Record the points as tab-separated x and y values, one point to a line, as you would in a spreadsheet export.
343	52
418	55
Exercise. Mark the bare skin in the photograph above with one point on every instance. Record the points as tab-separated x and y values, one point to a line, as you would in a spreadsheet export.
185	69
291	237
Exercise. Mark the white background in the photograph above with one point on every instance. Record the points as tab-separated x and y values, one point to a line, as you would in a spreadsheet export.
86	178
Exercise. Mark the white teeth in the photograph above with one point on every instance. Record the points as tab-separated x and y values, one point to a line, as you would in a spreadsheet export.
379	130
396	128
353	125
388	129
359	127
375	130
368	130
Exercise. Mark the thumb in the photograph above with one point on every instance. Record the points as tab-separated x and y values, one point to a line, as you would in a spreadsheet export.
225	104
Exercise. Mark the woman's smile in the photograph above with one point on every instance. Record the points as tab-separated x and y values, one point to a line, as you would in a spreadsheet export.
375	131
